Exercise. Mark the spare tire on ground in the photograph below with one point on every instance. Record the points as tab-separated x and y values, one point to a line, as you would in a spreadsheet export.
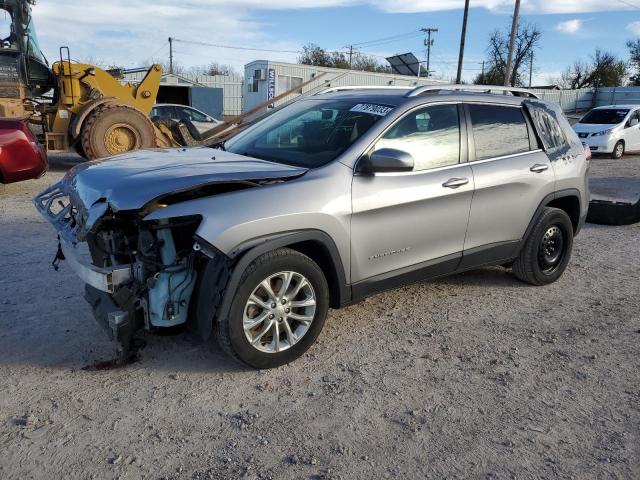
614	201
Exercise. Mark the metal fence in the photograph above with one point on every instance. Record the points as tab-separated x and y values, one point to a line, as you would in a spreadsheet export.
587	98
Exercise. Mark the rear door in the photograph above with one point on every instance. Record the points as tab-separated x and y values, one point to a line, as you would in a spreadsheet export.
512	176
415	221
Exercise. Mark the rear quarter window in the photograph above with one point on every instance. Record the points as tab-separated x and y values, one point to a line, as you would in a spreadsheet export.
498	131
548	128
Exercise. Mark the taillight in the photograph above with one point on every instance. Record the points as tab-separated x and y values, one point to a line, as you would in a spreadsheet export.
587	151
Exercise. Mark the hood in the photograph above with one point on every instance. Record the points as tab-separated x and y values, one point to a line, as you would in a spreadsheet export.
594	127
130	181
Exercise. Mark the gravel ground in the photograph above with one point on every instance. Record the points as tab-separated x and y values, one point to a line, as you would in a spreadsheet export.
474	376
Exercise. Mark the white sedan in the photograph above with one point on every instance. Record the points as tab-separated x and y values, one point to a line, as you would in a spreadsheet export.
614	129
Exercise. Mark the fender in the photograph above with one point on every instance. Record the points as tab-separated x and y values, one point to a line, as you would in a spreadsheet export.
569	192
246	253
76	124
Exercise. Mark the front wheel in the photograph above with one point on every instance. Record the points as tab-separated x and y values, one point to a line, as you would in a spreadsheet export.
618	150
547	250
278	310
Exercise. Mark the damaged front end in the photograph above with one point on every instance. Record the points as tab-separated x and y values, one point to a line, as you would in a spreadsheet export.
138	274
141	274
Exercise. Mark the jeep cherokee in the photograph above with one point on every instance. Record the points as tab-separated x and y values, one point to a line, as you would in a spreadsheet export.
340	195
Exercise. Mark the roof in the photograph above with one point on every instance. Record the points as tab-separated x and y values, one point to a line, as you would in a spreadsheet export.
400	95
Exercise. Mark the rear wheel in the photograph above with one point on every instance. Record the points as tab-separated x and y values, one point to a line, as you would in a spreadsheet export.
547	251
116	129
618	150
278	310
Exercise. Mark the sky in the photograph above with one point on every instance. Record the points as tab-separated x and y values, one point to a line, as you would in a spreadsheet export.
129	32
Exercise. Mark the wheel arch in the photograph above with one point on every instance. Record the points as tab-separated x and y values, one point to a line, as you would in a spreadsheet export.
314	243
75	129
569	200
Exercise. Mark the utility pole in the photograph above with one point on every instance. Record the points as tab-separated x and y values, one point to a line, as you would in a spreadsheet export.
530	68
482	68
462	40
429	43
512	43
170	55
350	56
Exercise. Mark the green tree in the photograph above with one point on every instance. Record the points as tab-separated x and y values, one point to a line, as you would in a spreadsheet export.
312	54
634	61
603	70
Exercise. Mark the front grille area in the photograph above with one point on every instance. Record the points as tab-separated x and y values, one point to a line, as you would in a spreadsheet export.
56	205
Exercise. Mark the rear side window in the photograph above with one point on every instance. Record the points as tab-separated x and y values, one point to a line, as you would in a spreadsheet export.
498	131
548	128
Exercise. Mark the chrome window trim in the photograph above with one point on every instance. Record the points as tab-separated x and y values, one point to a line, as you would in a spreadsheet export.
504	157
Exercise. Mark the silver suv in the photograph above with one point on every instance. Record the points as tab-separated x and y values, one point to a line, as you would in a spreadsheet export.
329	200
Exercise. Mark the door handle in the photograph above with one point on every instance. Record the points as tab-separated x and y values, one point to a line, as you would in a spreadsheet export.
539	168
455	182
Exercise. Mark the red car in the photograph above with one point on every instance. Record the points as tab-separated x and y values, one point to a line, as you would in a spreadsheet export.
21	156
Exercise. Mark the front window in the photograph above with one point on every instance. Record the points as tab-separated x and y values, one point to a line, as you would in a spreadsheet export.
310	133
431	135
605	116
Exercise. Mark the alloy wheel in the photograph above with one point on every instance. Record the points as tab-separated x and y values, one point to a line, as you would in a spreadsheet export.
279	312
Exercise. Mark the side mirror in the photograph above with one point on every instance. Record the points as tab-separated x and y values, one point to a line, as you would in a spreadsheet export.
633	122
386	160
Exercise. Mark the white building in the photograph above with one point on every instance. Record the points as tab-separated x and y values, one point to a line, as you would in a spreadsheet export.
265	79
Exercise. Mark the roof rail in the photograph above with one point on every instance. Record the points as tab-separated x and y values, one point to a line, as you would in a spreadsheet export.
362	87
517	92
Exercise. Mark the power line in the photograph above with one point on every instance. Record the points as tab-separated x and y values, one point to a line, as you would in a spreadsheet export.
205	44
391	38
629	4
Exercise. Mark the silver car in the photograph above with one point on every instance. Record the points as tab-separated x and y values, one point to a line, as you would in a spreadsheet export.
613	129
329	200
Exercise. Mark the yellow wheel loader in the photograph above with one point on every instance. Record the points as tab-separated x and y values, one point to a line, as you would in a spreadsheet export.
78	106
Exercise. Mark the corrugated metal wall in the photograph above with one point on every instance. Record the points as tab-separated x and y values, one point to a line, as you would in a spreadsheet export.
232	85
569	100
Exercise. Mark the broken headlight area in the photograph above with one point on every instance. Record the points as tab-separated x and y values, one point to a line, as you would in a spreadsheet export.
163	264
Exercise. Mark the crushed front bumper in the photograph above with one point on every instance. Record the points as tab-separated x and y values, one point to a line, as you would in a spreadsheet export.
103	279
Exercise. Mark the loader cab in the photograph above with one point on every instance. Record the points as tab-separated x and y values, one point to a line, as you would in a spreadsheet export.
22	64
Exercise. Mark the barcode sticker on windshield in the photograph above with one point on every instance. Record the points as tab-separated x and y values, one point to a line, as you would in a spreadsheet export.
379	110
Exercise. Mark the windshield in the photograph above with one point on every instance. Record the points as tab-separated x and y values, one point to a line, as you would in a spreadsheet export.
605	116
309	133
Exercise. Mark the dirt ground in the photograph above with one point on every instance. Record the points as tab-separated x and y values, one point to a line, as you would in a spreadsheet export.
475	376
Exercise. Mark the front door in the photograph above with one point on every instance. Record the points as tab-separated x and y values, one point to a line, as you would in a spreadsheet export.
632	132
407	222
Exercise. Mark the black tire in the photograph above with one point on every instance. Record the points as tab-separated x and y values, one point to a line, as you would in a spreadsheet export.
551	236
618	150
114	129
230	332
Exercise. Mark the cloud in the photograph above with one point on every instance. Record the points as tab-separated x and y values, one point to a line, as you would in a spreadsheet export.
570	26
634	28
501	6
127	32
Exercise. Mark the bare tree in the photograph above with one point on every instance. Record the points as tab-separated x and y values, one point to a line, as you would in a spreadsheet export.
527	41
603	70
